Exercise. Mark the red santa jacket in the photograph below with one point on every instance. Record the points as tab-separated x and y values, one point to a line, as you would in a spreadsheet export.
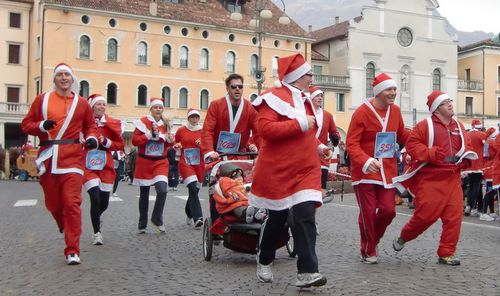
218	119
187	136
490	160
142	134
496	164
65	158
477	139
287	171
360	143
326	129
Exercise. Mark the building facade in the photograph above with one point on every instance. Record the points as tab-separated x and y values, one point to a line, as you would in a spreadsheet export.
130	51
14	57
402	38
479	82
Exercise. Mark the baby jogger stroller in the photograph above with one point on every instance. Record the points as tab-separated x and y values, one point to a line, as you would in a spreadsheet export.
235	234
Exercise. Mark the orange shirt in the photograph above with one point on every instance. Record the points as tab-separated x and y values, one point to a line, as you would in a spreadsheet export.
58	111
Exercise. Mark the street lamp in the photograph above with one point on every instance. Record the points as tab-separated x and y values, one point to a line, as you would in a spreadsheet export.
256	23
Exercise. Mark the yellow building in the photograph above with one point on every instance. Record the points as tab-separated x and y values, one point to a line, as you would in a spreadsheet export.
14	45
181	50
479	82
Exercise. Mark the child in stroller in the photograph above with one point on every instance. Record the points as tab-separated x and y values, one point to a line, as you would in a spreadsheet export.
231	195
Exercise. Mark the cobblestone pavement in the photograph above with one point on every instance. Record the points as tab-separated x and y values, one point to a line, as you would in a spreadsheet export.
32	261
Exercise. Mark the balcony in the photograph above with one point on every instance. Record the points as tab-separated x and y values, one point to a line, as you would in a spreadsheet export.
470	85
13	110
331	81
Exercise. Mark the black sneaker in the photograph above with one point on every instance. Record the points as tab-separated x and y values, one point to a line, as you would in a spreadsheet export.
449	260
199	223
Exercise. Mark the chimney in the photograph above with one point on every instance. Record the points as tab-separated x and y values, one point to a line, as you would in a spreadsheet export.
337	20
153	8
310	28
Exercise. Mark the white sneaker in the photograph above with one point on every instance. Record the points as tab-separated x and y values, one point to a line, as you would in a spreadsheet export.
486	217
115	195
97	237
141	231
159	228
493	215
72	259
474	213
467	211
264	273
189	221
307	280
398	244
370	260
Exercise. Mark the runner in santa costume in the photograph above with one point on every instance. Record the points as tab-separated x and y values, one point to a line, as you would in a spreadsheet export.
230	122
440	149
490	151
376	126
326	130
100	172
58	117
191	165
496	167
475	171
287	173
152	137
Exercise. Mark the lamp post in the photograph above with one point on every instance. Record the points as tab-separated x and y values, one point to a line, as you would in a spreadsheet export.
257	23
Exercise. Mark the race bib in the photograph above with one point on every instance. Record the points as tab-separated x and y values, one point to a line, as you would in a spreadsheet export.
154	148
385	145
485	150
192	156
95	160
228	142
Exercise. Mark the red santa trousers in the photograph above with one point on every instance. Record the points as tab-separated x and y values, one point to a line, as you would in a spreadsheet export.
63	199
437	197
373	222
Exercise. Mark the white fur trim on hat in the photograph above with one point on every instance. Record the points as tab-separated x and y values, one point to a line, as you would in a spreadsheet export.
297	73
155	102
438	102
316	92
193	112
383	86
93	101
75	87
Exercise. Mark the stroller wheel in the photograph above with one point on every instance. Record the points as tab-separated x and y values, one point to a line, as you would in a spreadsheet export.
290	246
208	240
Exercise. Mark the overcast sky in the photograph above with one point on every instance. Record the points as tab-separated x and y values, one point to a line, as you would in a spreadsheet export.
464	15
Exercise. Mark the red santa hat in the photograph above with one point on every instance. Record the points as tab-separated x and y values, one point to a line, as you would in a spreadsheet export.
291	68
435	98
490	131
314	91
63	67
192	112
155	101
382	82
476	123
93	99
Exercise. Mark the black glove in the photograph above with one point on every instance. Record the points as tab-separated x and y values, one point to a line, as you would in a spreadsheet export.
91	143
335	139
48	124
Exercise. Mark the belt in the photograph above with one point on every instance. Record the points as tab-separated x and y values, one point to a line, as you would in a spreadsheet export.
152	157
59	142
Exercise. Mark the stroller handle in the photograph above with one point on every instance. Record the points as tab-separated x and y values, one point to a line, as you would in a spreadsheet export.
222	154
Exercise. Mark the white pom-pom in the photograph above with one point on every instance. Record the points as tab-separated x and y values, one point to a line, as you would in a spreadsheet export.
277	83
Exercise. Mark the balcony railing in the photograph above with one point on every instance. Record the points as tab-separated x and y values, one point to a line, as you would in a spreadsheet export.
329	80
13	108
470	85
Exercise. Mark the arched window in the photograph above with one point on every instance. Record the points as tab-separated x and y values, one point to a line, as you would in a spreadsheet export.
165	94
183	57
230	62
84	47
142	95
204	99
183	98
253	97
142	53
84	89
274	66
111	93
112	50
436	79
254	61
204	59
166	53
370	74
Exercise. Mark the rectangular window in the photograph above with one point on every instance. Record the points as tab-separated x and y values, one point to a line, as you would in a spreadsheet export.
317	70
37	87
38	46
340	102
468	105
14	54
13	94
15	20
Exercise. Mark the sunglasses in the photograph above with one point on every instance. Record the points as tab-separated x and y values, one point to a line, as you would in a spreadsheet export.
237	86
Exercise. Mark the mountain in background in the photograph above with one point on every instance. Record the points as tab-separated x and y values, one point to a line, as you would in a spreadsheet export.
322	13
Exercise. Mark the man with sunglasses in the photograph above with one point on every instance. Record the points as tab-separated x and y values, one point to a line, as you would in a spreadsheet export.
440	149
230	124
